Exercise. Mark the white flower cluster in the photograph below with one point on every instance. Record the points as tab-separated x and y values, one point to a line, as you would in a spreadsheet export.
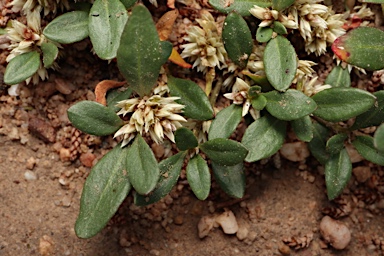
155	115
317	23
205	47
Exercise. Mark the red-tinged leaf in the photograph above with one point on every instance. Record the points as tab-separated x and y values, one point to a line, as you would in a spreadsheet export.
362	47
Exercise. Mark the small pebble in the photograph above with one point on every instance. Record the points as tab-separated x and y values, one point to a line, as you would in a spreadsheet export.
228	223
284	249
295	151
362	173
29	175
46	246
66	201
335	233
205	225
242	233
31	163
179	219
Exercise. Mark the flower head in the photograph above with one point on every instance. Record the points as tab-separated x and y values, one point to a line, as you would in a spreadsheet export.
155	115
205	47
239	95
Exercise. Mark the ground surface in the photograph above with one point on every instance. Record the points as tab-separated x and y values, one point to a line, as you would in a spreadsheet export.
280	205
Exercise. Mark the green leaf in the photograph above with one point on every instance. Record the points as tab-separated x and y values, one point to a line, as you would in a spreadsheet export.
336	143
259	80
143	170
93	118
114	96
170	169
104	190
317	145
237	39
194	99
279	28
378	138
339	77
225	122
362	47
22	67
166	50
280	63
264	34
259	102
199	177
373	116
128	3
303	128
263	138
185	139
68	28
289	105
338	171
340	104
106	23
366	148
50	52
240	6
140	55
230	178
280	5
224	151
3	31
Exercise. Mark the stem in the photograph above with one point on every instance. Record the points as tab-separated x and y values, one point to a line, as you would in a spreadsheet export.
216	91
209	80
335	127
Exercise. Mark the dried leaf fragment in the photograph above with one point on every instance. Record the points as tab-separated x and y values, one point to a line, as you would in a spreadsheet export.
102	89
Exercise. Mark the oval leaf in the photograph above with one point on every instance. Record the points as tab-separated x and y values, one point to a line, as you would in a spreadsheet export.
143	170
94	118
199	177
224	151
280	63
362	47
317	145
279	28
106	23
378	139
225	122
303	128
104	190
68	28
194	99
22	67
264	34
50	52
366	148
259	102
240	6
237	39
338	171
339	77
230	178
170	169
336	143
263	138
280	5
340	104
140	57
185	139
289	105
128	3
373	116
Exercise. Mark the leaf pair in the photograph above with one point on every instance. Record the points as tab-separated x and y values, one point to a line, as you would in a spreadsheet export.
110	182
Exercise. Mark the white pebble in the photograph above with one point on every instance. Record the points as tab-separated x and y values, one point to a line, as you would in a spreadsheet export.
228	223
335	233
205	225
295	151
29	175
13	90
